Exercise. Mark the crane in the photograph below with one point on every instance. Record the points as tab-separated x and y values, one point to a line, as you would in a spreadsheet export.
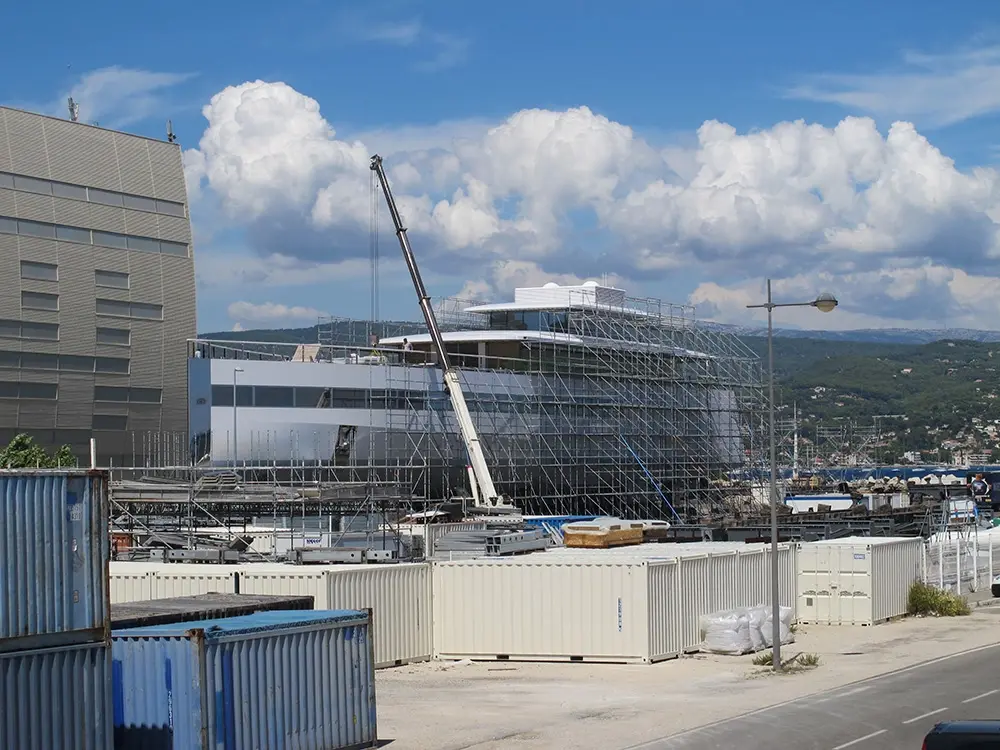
492	501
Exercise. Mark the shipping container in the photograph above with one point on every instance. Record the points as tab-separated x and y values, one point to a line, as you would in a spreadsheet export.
488	608
56	699
54	549
200	607
271	680
399	595
140	581
520	609
856	580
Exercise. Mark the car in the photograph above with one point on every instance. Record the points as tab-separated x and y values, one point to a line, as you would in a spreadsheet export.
964	735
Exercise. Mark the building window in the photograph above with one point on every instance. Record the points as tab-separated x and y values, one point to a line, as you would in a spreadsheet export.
110	422
222	395
145	395
37	361
39	271
26	329
112	365
114	279
46	391
79	235
32	185
273	395
39	301
311	397
75	192
110	393
128	395
94	195
76	363
36	229
146	311
24	389
104	197
114	336
122	309
110	239
39	331
73	234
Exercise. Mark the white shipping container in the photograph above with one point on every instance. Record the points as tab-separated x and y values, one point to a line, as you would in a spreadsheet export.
190	579
398	595
530	608
130	582
856	580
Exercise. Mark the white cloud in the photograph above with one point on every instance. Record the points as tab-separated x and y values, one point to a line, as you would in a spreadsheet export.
935	89
516	203
271	313
504	276
117	97
440	50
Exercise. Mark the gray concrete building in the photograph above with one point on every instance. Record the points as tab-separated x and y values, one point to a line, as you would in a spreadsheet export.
98	299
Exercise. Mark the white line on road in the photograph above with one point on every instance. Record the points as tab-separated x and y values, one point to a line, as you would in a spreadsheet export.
860	739
924	716
981	695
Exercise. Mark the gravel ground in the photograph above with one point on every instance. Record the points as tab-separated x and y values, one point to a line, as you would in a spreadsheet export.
485	705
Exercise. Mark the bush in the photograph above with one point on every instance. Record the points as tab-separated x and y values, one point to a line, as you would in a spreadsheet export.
763	659
928	600
799	661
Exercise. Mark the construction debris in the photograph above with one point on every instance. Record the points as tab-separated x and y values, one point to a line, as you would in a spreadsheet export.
602	533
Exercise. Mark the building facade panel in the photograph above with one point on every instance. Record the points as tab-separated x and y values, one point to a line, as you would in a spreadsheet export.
95	306
81	155
26	144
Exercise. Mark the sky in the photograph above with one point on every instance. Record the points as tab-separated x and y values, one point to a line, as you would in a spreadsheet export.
683	150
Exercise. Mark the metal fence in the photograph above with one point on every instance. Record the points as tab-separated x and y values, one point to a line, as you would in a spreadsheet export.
964	564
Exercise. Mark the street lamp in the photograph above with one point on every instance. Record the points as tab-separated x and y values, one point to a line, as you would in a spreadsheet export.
825	302
236	371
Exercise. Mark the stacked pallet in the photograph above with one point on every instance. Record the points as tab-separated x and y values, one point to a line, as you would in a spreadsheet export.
603	533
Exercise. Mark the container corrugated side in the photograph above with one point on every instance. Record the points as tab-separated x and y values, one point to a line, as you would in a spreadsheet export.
399	596
304	683
517	609
665	625
130	582
894	569
694	597
191	579
58	698
54	550
400	599
287	580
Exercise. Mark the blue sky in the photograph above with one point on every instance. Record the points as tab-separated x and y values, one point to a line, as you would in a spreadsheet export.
628	187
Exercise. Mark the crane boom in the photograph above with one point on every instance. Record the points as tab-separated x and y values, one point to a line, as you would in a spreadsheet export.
470	437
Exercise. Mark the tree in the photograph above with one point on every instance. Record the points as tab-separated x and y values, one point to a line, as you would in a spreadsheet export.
24	453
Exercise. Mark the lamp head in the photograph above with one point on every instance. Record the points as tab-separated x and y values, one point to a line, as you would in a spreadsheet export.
825	302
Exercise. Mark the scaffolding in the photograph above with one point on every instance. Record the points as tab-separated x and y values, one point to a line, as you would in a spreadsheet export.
643	414
632	410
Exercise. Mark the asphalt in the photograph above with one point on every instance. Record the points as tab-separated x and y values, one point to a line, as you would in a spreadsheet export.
894	710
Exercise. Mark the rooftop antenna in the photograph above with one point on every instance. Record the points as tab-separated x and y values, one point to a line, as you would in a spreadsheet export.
74	110
171	136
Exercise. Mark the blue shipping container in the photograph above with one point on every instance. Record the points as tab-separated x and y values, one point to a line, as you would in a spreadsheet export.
56	698
269	681
54	551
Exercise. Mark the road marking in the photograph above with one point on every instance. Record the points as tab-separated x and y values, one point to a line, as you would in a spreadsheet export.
874	679
861	739
924	716
981	695
844	694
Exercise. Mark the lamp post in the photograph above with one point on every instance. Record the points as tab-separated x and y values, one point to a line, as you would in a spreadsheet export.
236	371
824	303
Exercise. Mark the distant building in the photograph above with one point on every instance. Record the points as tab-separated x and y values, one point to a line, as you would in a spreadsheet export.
99	293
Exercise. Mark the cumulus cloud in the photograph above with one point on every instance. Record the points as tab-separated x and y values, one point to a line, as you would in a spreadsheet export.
118	97
517	203
936	89
271	313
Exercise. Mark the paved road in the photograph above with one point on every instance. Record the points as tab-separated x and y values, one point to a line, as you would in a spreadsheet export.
892	711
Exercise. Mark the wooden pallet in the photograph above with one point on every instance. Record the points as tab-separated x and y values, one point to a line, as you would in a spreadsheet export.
602	538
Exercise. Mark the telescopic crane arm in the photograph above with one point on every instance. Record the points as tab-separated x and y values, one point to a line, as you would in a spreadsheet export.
470	437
